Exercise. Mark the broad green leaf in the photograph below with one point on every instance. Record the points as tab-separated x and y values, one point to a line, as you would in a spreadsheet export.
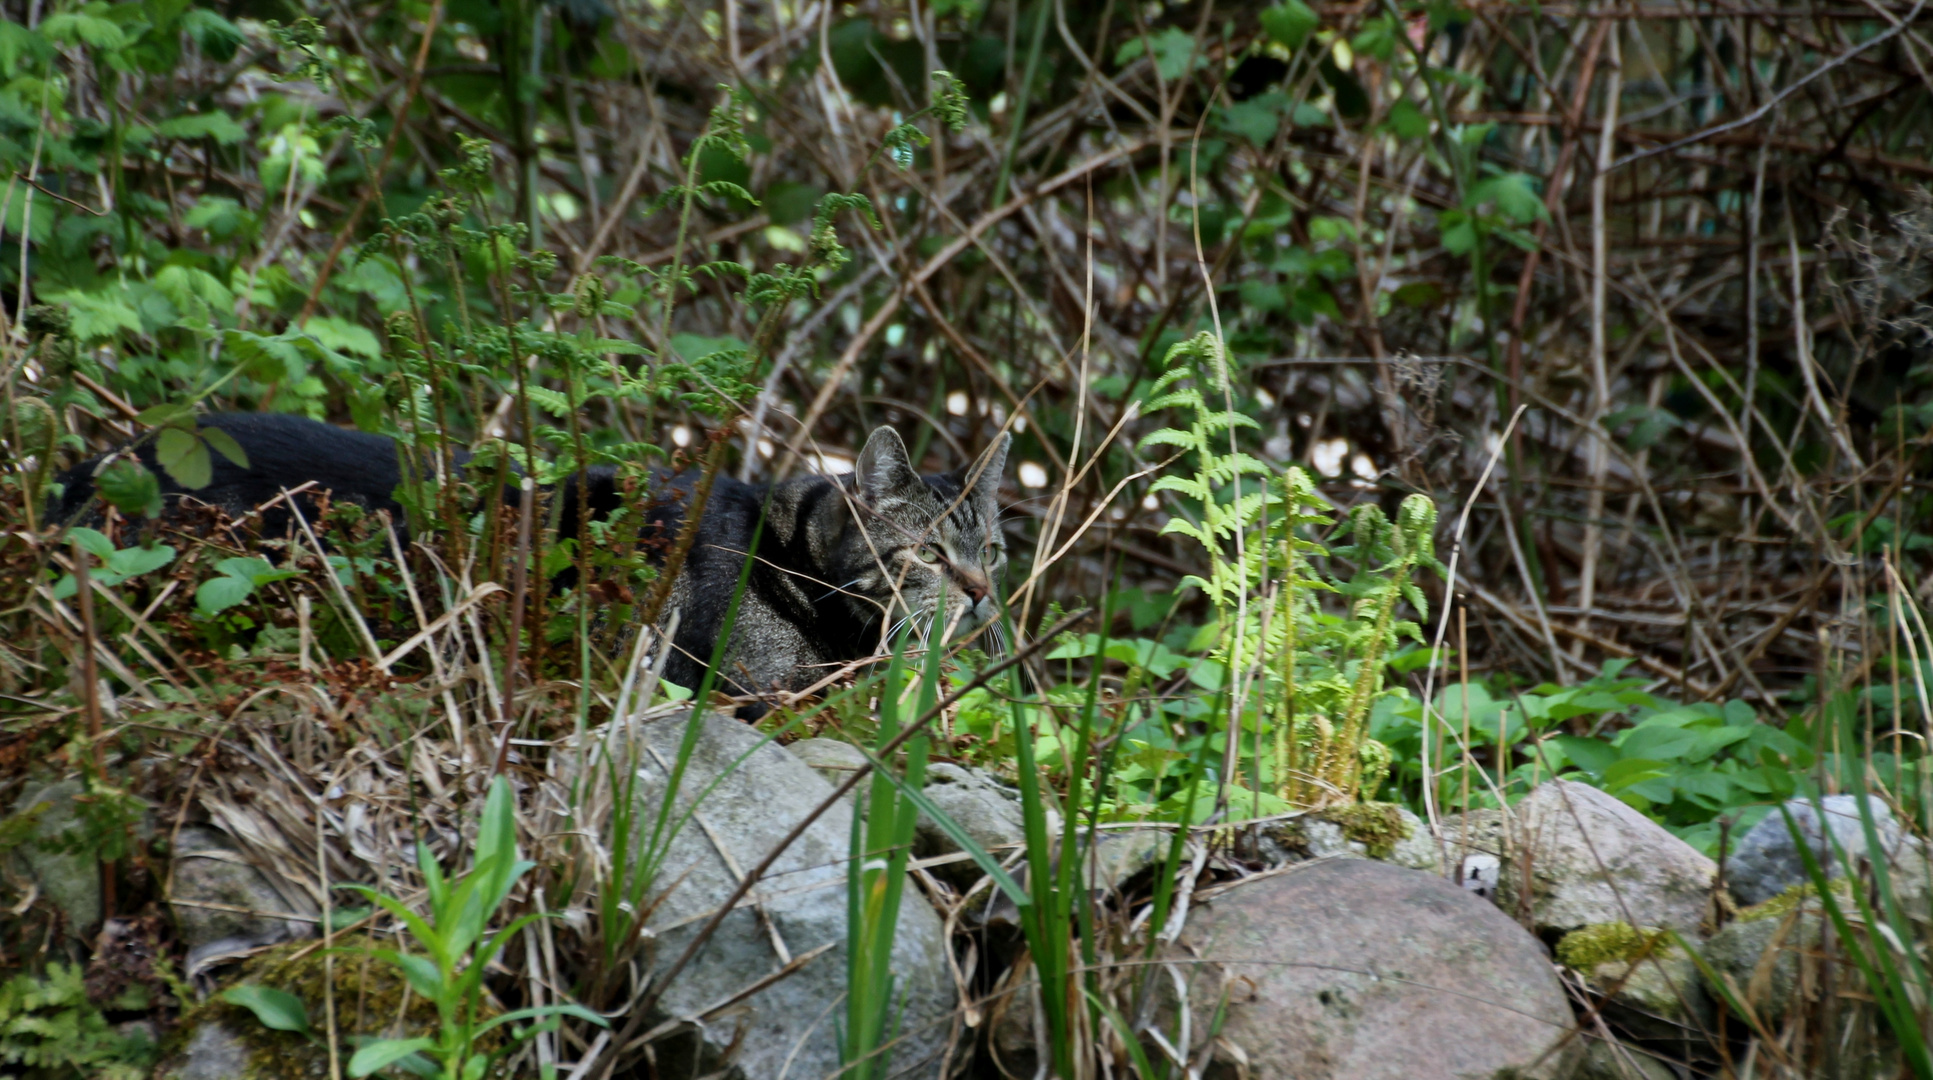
92	541
191	467
1515	195
130	487
1408	121
379	1055
1660	743
73	27
1592	755
345	337
216	595
1255	119
216	36
1290	22
276	1009
129	562
172	445
1173	50
225	445
167	414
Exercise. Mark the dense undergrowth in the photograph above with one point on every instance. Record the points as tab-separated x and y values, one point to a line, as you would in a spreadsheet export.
395	223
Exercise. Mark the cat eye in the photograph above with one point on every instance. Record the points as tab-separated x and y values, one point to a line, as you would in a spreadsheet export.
990	554
927	554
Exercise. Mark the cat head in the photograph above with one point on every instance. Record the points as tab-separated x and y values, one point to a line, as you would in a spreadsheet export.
928	537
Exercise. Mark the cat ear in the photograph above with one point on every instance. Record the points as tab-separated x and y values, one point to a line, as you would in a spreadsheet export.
883	471
989	469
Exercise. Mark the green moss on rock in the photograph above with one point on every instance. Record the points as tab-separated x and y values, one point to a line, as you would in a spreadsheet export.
1378	827
1584	949
371	1000
1793	897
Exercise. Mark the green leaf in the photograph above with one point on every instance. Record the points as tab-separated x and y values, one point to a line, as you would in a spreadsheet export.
1290	22
97	316
131	488
386	1052
216	595
92	541
216	36
1173	50
218	126
1255	119
1592	755
168	414
130	562
276	1009
185	457
73	27
226	446
1658	743
1408	121
345	337
1515	195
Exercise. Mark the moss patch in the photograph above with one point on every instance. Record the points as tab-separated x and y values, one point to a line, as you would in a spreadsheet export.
371	1000
1583	950
1378	827
1783	904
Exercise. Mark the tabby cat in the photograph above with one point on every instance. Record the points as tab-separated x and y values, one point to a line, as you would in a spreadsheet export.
842	564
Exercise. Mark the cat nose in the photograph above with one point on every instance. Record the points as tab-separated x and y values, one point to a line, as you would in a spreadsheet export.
976	590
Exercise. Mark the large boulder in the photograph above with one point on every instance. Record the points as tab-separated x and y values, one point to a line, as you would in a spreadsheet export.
1572	856
754	793
1350	968
1766	861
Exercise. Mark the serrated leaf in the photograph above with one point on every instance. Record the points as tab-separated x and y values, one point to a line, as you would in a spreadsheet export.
219	126
131	488
1191	488
619	345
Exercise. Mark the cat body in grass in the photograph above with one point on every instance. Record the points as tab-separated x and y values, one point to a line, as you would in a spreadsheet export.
842	561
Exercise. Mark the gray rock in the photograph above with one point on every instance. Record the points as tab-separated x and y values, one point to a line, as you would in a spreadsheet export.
223	906
1654	993
1760	952
1602	1061
1350	968
1574	856
70	881
791	1026
213	1052
1414	848
834	759
1766	862
986	810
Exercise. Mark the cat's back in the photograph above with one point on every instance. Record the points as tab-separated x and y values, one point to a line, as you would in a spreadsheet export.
282	452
